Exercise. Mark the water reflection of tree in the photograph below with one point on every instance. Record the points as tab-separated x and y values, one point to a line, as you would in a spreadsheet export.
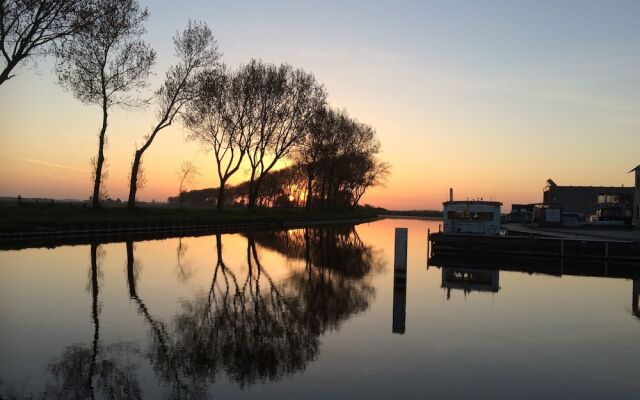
250	327
162	351
256	329
333	284
184	270
87	372
245	326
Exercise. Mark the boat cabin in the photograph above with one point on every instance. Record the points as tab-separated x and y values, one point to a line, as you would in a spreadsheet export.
473	217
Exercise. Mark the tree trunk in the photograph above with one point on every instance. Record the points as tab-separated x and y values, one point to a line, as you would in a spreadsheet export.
251	200
100	160
5	74
95	310
221	195
322	193
309	198
131	278
133	182
256	191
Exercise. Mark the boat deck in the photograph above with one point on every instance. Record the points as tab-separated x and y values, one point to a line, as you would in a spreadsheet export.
575	233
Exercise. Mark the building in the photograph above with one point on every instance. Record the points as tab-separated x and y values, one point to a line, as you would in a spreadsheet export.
521	214
636	198
591	200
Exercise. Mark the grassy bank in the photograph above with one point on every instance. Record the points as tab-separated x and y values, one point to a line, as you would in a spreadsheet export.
59	218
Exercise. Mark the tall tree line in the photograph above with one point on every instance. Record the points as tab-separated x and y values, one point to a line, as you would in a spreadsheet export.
256	117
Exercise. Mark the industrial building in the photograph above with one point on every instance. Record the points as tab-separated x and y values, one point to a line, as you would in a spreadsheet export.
605	202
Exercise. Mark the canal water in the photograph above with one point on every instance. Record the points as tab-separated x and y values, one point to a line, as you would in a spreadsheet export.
305	314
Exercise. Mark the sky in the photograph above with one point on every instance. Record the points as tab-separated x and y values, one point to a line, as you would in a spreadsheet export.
490	98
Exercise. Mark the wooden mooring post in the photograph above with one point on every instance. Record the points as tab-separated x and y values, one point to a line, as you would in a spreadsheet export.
428	246
400	281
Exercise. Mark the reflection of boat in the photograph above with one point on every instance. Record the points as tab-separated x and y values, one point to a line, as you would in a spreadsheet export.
480	272
539	265
470	280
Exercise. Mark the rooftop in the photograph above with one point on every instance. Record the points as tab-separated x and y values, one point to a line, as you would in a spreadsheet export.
475	202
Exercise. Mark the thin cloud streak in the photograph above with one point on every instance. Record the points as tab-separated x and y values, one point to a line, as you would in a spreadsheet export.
49	164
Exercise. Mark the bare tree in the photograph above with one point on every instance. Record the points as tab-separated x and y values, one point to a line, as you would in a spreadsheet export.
221	120
103	64
196	49
286	101
29	27
339	155
371	172
308	153
186	174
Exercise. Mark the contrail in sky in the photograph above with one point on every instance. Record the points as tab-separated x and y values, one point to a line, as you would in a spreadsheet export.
48	164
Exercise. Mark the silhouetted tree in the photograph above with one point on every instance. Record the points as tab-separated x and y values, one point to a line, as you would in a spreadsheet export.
368	172
102	64
221	120
339	155
286	100
196	49
29	27
310	149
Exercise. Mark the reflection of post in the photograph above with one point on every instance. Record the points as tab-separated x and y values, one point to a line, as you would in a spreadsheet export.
95	312
400	281
636	298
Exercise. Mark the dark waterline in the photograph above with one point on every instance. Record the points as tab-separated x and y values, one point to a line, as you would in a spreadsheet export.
313	313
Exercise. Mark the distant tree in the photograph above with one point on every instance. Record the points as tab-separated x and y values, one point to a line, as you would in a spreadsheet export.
103	63
196	49
187	172
29	27
221	120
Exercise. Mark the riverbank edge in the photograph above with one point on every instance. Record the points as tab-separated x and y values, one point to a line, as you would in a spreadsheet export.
115	231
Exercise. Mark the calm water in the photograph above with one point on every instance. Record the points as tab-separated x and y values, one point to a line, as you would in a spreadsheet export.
304	314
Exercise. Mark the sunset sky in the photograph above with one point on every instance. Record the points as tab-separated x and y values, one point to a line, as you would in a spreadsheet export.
491	98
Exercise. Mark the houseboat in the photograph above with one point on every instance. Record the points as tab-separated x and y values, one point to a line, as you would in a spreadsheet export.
471	217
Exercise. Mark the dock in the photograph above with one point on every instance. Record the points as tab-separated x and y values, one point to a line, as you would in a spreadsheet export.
575	232
564	246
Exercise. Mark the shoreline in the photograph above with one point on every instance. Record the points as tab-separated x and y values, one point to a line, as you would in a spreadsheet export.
86	232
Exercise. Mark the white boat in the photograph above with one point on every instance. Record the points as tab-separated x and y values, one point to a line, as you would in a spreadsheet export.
471	217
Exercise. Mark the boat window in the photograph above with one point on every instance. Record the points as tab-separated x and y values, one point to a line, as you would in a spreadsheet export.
470	215
485	216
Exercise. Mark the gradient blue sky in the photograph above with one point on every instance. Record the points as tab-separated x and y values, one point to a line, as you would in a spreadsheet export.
489	97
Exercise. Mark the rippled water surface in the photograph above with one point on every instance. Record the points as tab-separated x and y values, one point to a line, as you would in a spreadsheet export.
306	313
